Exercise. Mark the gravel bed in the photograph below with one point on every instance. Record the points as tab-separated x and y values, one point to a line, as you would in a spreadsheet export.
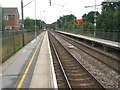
104	74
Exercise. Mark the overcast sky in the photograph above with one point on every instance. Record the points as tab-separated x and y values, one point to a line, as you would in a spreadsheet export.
51	13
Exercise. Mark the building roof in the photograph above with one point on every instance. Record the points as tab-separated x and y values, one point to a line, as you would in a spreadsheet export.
10	11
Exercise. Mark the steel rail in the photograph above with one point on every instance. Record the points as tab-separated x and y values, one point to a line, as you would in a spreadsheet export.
91	76
64	73
117	70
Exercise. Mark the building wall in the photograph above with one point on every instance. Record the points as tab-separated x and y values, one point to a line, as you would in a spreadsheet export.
12	18
10	21
17	24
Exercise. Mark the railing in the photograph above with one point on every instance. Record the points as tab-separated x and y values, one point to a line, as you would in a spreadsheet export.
113	35
12	41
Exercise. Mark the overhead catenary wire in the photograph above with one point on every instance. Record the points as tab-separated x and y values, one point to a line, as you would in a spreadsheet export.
28	3
67	1
31	8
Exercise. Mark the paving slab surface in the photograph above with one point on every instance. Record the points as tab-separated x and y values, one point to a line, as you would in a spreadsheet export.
41	76
14	66
103	41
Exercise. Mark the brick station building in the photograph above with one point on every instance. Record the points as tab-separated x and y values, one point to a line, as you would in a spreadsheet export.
11	18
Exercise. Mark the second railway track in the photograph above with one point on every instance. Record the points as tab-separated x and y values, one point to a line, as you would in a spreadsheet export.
69	72
110	61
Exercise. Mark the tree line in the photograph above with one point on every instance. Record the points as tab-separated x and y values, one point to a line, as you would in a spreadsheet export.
108	19
29	24
110	16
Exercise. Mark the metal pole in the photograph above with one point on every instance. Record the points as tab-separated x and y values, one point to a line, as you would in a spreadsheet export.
44	27
64	24
22	23
95	21
73	26
50	2
40	19
35	19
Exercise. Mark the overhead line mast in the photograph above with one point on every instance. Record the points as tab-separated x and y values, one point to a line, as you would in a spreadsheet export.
50	2
94	17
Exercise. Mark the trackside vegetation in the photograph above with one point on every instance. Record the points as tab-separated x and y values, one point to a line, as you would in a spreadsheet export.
108	22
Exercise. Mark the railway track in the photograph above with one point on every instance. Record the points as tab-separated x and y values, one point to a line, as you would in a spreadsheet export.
112	62
69	72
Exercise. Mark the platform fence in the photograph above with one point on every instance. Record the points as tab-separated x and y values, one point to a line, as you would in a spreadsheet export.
113	35
12	41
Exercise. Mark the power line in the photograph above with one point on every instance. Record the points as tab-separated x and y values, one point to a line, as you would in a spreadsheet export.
64	6
31	8
28	3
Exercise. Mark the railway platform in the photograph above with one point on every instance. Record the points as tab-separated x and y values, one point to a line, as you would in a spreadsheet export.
108	46
31	67
98	40
44	75
52	60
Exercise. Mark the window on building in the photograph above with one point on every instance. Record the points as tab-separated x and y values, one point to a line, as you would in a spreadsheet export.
17	22
8	28
6	17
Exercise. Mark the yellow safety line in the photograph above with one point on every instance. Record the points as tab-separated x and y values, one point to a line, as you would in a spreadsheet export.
27	69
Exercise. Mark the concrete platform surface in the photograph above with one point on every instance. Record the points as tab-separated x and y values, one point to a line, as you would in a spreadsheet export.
43	74
14	66
103	41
